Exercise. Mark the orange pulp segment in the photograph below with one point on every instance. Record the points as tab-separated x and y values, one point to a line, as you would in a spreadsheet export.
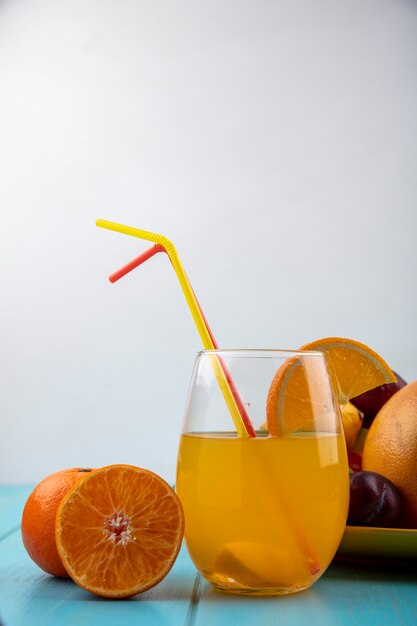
119	530
353	369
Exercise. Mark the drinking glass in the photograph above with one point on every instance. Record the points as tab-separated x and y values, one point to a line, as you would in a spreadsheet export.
264	515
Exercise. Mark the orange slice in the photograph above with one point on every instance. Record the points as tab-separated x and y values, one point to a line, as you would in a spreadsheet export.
353	369
119	530
255	564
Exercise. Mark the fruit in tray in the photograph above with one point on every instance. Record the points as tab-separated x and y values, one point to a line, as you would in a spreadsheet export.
352	420
370	402
386	492
391	447
387	449
374	501
355	460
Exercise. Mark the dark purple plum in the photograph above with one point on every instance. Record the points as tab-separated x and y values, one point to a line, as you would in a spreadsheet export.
374	501
371	401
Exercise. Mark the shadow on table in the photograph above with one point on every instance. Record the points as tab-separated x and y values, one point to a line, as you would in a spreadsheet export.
57	602
172	588
377	576
376	570
344	598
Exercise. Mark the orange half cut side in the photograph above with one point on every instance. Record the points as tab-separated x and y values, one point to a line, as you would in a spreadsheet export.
118	531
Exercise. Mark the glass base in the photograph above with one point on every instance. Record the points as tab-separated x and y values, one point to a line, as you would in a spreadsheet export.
230	585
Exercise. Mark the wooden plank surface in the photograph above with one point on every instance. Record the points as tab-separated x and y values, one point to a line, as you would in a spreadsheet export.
28	597
347	595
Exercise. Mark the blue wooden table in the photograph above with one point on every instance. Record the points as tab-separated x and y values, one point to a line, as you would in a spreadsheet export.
384	594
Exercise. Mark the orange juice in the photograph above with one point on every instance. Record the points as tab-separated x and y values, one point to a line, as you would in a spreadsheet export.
264	513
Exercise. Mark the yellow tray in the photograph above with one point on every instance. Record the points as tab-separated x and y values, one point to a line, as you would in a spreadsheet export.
366	542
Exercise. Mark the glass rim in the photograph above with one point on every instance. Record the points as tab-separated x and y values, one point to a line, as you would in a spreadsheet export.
259	352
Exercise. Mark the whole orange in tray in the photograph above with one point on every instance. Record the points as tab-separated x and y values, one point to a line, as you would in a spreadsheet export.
119	530
38	519
390	447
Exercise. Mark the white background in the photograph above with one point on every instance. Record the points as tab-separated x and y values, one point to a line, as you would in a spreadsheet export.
274	142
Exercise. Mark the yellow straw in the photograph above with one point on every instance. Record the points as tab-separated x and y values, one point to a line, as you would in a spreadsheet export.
302	540
193	306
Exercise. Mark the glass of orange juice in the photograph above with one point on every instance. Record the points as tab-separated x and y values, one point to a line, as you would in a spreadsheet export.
264	514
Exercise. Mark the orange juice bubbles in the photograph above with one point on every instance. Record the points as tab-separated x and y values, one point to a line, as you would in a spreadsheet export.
263	515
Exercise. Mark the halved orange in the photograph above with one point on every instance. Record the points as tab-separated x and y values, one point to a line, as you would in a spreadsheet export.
353	369
119	530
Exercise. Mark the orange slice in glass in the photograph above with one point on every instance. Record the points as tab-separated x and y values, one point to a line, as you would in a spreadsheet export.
119	530
353	369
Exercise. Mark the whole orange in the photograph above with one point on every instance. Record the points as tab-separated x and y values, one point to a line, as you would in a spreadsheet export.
38	519
391	447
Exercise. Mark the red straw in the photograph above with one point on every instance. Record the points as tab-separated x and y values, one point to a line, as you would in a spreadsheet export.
313	563
136	262
148	254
